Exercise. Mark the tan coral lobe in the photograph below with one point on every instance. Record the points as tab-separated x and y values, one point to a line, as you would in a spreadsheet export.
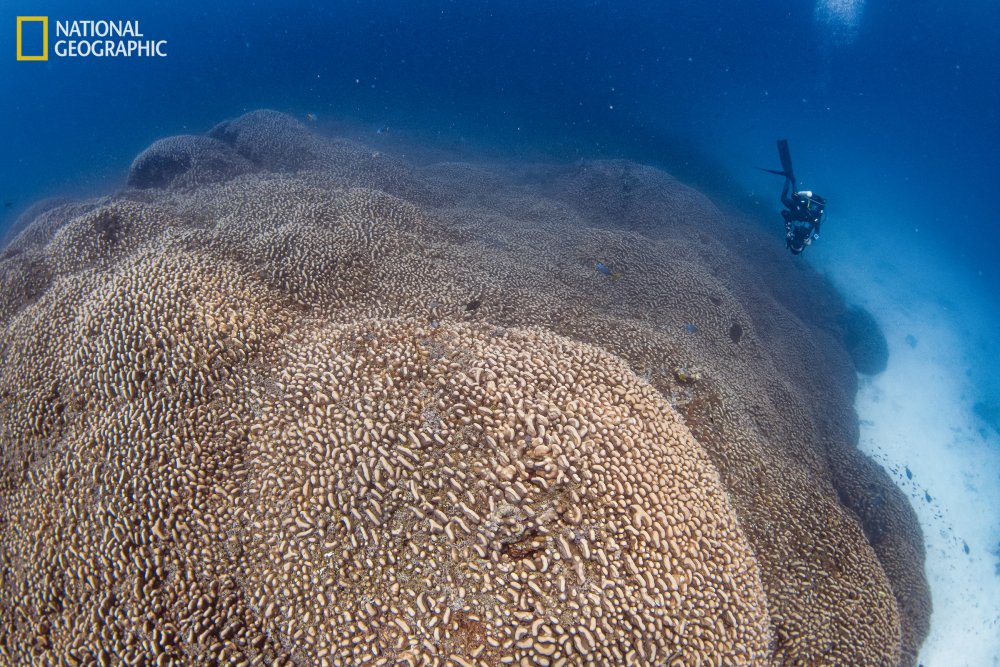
455	560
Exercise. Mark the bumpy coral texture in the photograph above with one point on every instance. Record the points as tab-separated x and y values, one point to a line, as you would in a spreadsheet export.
443	493
185	161
255	420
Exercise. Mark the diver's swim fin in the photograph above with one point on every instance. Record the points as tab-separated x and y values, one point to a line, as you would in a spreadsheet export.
786	162
786	158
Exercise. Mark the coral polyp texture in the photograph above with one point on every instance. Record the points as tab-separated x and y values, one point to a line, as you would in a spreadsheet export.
437	493
249	415
185	161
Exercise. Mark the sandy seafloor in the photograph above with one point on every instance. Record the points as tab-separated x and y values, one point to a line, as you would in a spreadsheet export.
918	414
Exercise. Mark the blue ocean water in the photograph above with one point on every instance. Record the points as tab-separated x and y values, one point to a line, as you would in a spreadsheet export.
890	110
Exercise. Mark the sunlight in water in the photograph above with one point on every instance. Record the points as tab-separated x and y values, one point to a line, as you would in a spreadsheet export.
841	17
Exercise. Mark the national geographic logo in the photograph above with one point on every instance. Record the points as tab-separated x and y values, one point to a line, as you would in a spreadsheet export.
33	39
44	20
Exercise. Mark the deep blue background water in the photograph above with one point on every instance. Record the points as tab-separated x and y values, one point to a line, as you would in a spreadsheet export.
892	115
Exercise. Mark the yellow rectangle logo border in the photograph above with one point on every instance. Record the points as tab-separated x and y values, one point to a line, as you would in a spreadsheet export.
45	37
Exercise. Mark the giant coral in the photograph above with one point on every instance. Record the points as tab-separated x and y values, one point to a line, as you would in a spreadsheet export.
248	417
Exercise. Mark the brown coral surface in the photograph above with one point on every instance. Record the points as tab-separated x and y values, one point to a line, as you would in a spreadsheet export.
249	419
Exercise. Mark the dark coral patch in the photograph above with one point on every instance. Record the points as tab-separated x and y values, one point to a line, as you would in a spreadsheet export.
736	333
864	341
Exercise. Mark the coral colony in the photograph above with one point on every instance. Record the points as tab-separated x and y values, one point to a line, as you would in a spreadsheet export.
249	419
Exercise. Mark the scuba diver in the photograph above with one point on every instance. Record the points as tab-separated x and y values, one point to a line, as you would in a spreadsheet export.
805	209
803	218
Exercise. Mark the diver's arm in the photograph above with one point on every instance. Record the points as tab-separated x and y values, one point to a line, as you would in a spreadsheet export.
784	195
819	221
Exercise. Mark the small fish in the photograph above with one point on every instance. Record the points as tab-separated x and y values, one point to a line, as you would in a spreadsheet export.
909	475
312	117
527	439
435	324
8	204
692	328
432	304
927	496
472	305
966	546
606	271
382	130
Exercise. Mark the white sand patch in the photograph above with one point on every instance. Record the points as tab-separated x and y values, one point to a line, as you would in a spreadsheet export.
918	415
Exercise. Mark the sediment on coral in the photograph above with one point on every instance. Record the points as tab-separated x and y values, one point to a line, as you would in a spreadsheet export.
253	418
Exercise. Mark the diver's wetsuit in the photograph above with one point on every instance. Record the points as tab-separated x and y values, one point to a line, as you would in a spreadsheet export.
802	219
